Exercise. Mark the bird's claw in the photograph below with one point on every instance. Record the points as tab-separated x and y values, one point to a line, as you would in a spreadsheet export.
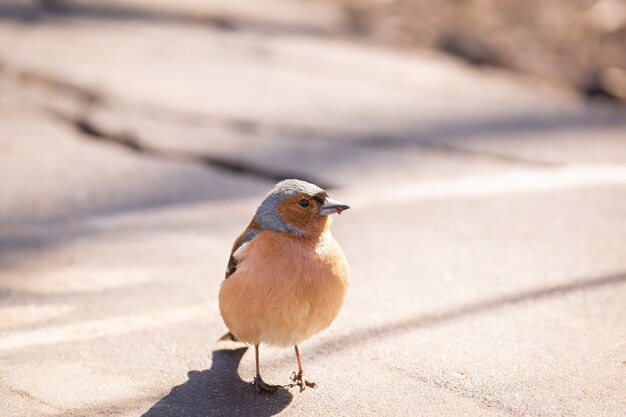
298	379
261	387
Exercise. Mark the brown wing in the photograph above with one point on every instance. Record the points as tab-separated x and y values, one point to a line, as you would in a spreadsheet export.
245	236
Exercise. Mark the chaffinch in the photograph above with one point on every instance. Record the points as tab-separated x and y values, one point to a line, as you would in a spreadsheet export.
287	276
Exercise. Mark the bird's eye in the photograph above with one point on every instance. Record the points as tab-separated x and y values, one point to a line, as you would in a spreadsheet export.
304	202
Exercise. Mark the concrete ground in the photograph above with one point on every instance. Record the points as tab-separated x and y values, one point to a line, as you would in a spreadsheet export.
487	235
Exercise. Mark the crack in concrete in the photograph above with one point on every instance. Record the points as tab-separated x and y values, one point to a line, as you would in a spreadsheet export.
486	399
91	98
346	136
90	130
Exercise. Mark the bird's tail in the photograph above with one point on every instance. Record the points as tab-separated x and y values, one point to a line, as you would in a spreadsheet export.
228	337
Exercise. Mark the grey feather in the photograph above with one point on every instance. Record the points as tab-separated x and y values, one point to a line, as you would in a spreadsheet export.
266	214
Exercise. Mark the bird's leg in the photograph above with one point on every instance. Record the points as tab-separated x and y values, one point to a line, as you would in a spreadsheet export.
298	378
259	384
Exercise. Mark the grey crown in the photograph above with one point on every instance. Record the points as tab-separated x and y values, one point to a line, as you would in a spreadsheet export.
266	215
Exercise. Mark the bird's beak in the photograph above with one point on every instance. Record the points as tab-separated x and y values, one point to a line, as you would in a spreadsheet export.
333	206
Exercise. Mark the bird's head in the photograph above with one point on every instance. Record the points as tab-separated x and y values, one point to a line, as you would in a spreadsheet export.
297	207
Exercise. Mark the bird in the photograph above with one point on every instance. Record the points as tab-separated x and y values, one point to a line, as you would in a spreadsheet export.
287	277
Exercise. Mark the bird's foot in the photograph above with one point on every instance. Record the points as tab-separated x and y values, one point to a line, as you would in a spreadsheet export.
261	387
298	379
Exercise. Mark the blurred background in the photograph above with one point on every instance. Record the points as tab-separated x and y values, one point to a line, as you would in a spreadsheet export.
481	144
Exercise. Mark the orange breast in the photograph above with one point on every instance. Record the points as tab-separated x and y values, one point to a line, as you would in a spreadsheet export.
285	288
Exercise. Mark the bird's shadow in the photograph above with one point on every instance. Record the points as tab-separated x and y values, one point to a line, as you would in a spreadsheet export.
219	391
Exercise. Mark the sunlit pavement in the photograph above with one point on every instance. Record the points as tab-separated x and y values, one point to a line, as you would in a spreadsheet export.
487	234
